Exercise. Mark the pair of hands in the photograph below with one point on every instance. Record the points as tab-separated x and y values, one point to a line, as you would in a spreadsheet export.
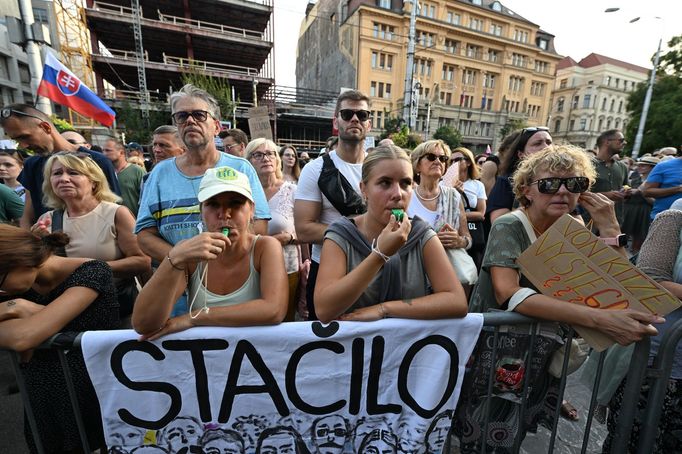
202	247
450	238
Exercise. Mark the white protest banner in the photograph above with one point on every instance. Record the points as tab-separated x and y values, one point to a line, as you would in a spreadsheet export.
348	387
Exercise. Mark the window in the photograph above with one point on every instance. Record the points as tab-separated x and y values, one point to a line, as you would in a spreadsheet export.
465	127
423	66
453	18
380	89
493	55
541	66
4	71
495	29
446	98
576	101
24	74
617	82
620	107
557	125
607	81
466	100
608	123
451	46
469	77
427	10
519	60
384	4
537	88
586	101
543	44
511	106
583	124
377	119
560	105
425	39
521	35
488	80
601	122
603	105
515	84
383	31
613	102
572	126
486	129
476	24
473	51
496	6
533	110
40	15
563	83
617	126
381	60
448	72
373	88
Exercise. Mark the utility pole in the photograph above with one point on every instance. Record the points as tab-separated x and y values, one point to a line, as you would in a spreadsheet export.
35	63
645	109
407	96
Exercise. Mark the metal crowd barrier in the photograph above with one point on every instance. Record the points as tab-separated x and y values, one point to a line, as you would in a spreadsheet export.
658	374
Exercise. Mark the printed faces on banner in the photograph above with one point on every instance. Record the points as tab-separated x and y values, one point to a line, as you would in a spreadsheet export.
389	386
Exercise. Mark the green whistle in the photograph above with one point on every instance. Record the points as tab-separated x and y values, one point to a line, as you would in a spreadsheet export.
398	213
226	231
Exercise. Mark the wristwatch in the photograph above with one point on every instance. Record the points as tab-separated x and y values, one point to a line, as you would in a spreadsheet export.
620	240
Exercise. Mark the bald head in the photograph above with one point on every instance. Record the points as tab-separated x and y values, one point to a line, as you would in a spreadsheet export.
76	139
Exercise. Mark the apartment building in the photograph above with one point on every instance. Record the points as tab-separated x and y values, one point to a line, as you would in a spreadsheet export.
590	97
477	64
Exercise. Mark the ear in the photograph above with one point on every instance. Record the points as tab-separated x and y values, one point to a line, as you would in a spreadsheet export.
335	121
45	126
362	190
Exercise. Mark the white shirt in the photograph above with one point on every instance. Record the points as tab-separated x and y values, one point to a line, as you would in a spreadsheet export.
474	190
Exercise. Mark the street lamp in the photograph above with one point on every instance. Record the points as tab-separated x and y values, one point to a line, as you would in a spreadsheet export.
649	91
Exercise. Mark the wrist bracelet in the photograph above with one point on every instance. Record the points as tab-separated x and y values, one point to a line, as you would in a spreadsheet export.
470	243
375	249
383	311
173	264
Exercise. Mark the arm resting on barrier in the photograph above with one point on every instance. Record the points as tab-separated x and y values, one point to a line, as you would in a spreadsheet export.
21	334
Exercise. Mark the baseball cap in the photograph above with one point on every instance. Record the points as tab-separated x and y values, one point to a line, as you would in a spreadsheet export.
223	179
134	146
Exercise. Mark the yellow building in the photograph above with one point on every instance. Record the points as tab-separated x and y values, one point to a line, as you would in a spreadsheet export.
477	63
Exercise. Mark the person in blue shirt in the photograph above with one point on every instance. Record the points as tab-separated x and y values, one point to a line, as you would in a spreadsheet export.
169	208
664	184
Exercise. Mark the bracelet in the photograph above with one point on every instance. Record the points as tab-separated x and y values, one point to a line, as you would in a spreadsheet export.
173	264
383	310
375	249
470	243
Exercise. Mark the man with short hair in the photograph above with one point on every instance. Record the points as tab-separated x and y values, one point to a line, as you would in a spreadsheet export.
234	141
612	175
129	175
313	211
76	139
330	434
664	183
166	143
34	130
169	209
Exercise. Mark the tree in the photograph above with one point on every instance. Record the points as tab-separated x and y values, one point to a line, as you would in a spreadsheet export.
391	126
61	124
218	87
449	135
129	118
512	125
671	62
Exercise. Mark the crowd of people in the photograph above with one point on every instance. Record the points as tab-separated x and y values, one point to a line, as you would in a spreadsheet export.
257	234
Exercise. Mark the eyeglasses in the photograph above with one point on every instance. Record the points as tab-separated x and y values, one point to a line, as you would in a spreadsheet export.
457	159
432	157
258	156
7	112
323	432
534	129
198	115
576	185
229	147
618	139
347	114
75	142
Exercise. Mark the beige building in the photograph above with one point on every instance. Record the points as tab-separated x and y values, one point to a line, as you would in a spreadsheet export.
590	97
477	63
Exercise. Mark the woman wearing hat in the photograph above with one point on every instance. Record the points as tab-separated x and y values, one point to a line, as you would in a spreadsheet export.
221	268
636	218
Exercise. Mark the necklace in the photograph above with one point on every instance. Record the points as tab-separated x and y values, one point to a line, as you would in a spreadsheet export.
416	191
535	229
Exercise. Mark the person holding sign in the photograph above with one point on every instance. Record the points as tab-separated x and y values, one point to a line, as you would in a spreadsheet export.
383	264
220	267
548	185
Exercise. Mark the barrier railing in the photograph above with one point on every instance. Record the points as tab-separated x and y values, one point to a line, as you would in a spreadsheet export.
658	374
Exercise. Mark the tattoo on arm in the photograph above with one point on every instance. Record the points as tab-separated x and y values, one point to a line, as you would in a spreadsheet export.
408	301
11	303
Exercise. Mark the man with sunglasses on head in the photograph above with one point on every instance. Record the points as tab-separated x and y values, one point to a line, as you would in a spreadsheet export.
612	175
313	210
169	207
33	130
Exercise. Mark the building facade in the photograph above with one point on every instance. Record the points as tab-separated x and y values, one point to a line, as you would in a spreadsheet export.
590	97
477	64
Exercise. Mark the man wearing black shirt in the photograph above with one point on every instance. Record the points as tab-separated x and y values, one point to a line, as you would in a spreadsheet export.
34	130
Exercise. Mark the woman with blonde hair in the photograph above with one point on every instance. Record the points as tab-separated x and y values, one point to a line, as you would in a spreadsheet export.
383	264
84	208
263	156
442	207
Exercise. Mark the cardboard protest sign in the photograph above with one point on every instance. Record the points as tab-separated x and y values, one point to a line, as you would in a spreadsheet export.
348	387
259	123
570	263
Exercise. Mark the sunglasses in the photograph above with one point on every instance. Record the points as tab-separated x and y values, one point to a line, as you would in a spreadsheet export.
618	139
338	432
198	115
457	159
576	185
534	129
347	114
432	157
7	112
78	154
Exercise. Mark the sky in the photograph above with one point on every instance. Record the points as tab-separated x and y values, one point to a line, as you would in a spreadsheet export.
579	26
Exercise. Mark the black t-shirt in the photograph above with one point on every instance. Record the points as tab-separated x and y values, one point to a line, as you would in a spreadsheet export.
31	177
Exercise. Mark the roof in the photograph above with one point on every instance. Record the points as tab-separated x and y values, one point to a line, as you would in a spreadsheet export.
497	6
596	60
566	62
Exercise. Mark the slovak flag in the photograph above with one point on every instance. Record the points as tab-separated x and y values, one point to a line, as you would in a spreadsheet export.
63	87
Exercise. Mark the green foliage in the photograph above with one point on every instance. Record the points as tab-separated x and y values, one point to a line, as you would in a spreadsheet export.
219	88
392	125
671	61
129	119
61	124
664	119
512	125
449	135
406	139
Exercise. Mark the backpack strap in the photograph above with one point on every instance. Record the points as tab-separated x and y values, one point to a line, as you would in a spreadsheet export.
58	226
338	190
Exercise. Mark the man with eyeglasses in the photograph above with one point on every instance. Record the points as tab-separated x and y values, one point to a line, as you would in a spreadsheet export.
330	434
33	130
169	207
313	211
612	175
234	142
664	183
